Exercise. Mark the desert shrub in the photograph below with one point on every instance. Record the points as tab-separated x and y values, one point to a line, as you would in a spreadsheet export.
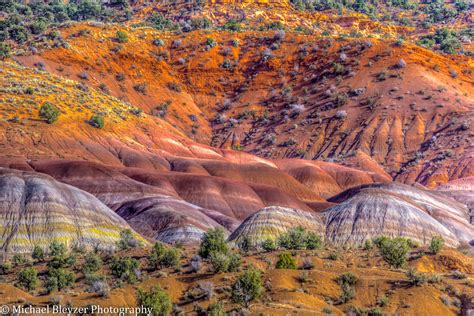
235	42
97	121
226	64
333	256
347	294
100	287
210	42
269	245
127	240
156	299
5	268
59	255
216	309
379	240
58	279
158	42
18	33
394	251
161	257
49	112
213	241
200	23
307	264
235	261
416	278
248	287
140	87
299	238
347	278
126	269
436	244
92	263
28	279
286	261
122	36
458	274
246	244
233	26
4	51
18	259
382	301
368	245
159	22
219	262
38	254
195	263
313	241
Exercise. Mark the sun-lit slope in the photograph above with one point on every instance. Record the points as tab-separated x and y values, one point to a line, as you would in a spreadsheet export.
401	108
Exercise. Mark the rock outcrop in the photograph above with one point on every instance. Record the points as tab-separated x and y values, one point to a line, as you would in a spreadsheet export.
35	210
270	222
396	210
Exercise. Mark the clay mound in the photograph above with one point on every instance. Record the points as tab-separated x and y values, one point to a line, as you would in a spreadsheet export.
375	212
35	209
170	220
271	222
451	214
462	190
448	260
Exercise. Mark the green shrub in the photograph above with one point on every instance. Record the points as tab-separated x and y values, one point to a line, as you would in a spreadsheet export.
369	244
416	278
125	269
4	51
58	279
219	262
18	259
122	36
49	112
248	287
127	239
28	279
269	245
246	244
213	241
5	268
299	238
233	26
286	261
97	121
436	244
155	299
216	309
211	42
347	278
234	263
161	257
394	251
38	254
92	263
59	255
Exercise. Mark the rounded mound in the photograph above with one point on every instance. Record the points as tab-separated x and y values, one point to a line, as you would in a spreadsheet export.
270	222
35	210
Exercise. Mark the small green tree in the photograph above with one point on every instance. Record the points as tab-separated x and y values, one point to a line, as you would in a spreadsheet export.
213	241
4	51
58	279
97	121
437	243
313	241
59	255
49	112
234	263
38	254
18	259
286	261
125	268
216	309
161	257
269	245
156	299
347	278
248	287
219	262
28	279
122	36
92	263
246	244
394	251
